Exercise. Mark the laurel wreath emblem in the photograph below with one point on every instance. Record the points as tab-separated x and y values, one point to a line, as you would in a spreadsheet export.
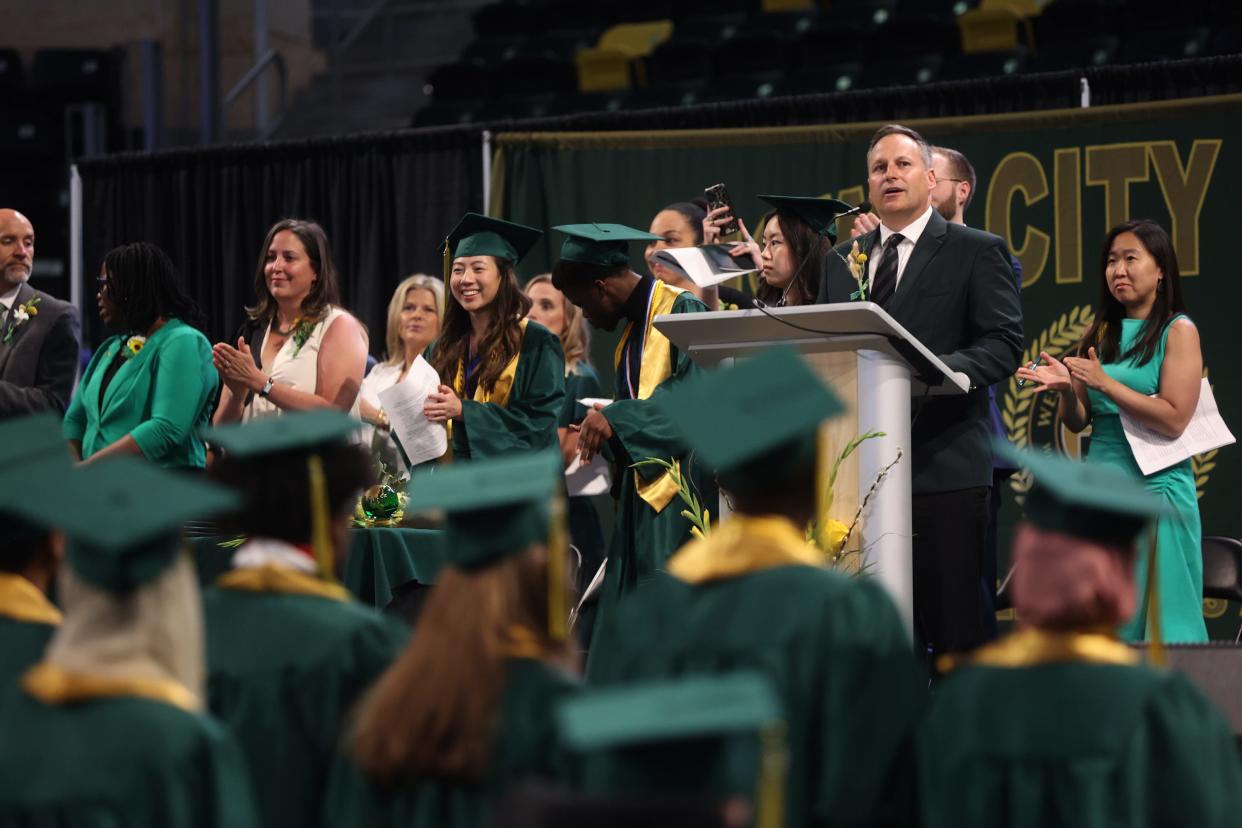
1016	408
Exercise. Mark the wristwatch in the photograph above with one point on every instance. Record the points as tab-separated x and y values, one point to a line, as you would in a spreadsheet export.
267	387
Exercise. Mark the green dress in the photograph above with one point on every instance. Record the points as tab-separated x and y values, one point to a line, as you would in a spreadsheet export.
527	421
835	650
1179	557
118	761
585	531
643	539
283	669
1075	744
22	643
525	749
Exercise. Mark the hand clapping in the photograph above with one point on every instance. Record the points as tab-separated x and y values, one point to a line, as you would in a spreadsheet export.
236	366
1088	370
1051	375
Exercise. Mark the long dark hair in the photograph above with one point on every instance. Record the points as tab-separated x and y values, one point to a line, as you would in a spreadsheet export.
143	287
323	292
809	249
1105	332
501	341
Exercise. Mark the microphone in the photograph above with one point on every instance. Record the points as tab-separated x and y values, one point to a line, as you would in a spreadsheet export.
863	207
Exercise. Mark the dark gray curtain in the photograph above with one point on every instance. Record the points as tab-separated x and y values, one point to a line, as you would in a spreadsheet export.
385	201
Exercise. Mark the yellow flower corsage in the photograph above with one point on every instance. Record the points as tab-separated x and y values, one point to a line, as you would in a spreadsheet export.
134	346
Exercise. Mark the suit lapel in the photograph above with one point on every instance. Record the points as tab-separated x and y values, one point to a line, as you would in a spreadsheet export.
924	251
24	294
129	371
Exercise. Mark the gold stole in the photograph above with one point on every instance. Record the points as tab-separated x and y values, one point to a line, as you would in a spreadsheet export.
22	601
54	685
742	544
504	384
269	578
1031	646
655	368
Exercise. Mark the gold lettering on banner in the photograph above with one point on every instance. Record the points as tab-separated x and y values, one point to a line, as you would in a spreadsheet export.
1115	167
1185	189
1019	172
1067	182
853	196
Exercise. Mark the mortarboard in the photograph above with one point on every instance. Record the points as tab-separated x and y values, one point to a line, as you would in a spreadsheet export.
820	214
1084	499
720	735
479	235
497	508
601	244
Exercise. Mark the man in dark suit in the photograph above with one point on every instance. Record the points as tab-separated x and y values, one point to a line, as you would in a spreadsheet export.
39	334
953	288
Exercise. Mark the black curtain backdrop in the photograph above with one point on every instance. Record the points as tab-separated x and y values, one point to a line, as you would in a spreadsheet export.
385	201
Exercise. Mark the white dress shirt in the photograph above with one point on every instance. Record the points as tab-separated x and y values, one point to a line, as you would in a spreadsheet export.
9	297
910	237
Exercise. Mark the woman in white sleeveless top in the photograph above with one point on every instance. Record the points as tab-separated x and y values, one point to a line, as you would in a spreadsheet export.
310	352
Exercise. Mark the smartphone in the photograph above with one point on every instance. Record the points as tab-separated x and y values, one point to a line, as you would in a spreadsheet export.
718	196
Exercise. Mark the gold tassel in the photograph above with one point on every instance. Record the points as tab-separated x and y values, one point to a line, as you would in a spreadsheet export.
558	564
773	766
321	530
823	497
1155	633
448	262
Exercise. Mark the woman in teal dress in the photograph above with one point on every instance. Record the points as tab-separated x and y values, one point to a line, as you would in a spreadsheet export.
151	385
1141	356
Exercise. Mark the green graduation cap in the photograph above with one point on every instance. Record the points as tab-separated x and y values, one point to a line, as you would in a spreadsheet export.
1084	499
123	516
820	214
756	422
298	430
479	235
24	438
33	457
711	736
607	245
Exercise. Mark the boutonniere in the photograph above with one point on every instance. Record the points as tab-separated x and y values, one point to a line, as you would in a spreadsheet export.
21	314
856	261
134	346
301	330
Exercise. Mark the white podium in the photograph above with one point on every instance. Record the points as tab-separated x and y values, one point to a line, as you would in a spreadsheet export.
875	366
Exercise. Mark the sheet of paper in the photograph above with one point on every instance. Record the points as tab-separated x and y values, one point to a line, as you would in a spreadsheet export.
591	479
590	402
1205	432
421	439
703	265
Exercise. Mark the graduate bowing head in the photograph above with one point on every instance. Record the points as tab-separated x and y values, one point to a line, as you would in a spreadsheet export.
1074	551
500	596
484	298
758	425
594	269
299	476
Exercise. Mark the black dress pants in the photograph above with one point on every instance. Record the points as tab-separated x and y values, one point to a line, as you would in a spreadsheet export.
949	539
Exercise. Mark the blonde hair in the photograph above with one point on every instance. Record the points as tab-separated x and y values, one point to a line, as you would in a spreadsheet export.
395	352
575	336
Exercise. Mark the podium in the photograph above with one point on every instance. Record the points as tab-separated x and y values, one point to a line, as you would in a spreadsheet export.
876	367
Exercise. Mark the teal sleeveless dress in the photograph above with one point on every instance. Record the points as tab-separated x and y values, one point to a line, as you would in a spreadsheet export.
1179	560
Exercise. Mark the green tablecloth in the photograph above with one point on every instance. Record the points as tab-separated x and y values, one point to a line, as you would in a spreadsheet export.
379	560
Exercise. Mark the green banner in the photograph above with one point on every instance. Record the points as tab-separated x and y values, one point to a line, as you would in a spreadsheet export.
1051	184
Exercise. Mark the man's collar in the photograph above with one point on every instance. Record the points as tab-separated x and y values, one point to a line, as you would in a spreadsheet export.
911	231
635	307
9	297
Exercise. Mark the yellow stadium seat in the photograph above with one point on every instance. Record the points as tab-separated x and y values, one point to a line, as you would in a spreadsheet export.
602	70
636	39
787	5
993	30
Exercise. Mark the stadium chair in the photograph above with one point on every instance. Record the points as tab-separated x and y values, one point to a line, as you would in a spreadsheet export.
535	75
786	24
919	35
754	54
492	50
12	79
827	44
503	20
867	14
904	71
1226	42
831	77
559	45
29	131
1074	20
460	81
560	15
711	28
1222	570
943	9
1164	44
986	65
679	61
713	8
777	6
1075	54
636	39
994	30
75	75
611	64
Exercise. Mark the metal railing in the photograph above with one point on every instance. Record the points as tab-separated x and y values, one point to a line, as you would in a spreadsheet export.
266	125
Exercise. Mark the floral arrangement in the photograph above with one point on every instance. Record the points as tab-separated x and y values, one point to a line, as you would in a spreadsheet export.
134	346
833	535
302	330
21	314
700	518
856	261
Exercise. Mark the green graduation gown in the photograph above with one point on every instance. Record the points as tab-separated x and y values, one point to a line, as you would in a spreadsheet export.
526	420
118	760
643	537
287	655
525	749
752	596
27	621
1067	733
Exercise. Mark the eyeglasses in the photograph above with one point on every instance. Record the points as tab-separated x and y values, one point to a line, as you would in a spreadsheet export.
956	180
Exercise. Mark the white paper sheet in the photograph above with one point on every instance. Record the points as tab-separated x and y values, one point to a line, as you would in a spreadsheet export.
421	439
590	402
702	268
1205	432
591	479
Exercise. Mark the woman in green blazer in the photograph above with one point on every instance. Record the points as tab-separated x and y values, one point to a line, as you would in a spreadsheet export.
151	385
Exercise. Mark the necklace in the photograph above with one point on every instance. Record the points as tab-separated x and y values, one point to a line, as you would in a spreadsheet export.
292	326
